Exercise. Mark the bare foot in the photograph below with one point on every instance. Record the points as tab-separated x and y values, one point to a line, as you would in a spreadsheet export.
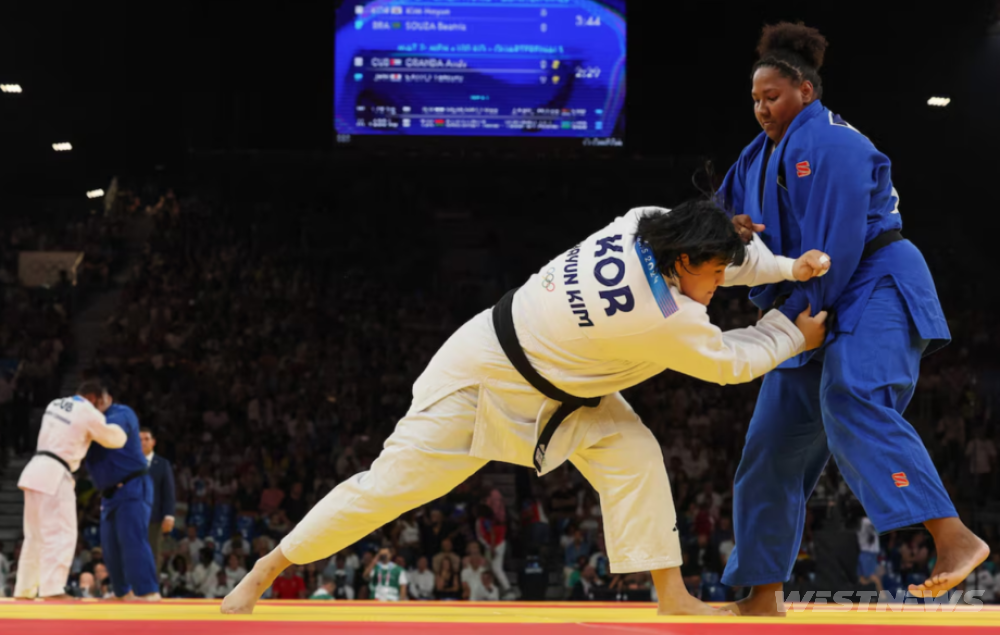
128	597
959	552
150	597
243	599
764	601
684	604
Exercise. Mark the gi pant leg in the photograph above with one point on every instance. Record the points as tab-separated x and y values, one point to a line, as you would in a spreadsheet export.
627	470
49	541
869	377
784	456
425	458
125	541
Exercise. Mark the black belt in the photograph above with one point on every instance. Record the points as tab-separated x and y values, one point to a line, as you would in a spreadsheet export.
882	240
56	457
875	244
503	323
109	492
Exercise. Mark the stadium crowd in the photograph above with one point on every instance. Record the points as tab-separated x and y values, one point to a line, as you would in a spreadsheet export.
271	370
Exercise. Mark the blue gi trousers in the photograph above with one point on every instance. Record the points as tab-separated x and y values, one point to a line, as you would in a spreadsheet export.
849	403
125	538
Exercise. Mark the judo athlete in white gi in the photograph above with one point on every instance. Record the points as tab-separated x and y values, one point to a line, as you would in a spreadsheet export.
50	529
626	304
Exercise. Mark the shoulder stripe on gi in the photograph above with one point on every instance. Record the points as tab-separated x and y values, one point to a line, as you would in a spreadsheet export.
661	292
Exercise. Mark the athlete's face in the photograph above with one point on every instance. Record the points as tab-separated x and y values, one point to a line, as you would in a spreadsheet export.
778	100
700	282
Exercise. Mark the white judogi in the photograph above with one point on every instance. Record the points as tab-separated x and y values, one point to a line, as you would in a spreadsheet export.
594	321
68	427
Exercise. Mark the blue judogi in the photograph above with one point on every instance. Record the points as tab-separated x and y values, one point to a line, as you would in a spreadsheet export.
125	515
827	187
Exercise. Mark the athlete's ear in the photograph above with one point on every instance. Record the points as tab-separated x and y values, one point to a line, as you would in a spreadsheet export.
808	92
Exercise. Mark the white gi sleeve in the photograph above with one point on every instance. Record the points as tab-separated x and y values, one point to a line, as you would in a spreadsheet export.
110	435
759	267
689	343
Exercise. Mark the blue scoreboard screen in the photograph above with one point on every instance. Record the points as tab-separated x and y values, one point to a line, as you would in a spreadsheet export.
493	68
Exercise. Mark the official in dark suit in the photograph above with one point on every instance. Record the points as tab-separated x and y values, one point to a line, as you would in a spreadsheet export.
162	519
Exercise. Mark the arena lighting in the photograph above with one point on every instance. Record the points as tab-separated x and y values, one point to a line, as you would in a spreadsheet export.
939	102
10	88
65	146
95	193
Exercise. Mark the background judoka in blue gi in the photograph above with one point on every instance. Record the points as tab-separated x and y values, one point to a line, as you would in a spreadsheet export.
125	515
825	186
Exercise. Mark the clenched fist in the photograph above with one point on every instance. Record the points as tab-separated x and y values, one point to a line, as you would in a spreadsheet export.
813	327
745	227
811	264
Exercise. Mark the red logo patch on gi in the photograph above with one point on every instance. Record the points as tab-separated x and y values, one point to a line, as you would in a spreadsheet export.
900	479
803	169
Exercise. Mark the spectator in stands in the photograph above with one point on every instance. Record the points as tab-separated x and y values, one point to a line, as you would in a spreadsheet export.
341	575
599	559
868	550
472	574
422	582
234	570
436	531
447	584
192	545
446	553
290	586
587	587
87	586
492	534
181	579
236	546
205	573
325	591
406	536
388	581
295	505
102	581
578	548
487	590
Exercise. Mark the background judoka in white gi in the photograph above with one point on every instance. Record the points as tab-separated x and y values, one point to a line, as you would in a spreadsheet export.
593	323
50	528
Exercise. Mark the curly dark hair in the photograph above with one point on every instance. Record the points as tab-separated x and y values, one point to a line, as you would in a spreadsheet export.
698	228
797	51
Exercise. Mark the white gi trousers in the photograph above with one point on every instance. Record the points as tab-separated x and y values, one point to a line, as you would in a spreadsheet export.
428	455
50	536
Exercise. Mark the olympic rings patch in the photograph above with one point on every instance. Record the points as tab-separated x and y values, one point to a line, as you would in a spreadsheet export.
549	281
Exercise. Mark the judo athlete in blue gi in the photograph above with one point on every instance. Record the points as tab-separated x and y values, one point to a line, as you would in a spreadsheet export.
122	476
811	181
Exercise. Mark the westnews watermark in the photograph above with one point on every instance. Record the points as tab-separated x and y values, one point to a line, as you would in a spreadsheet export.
901	600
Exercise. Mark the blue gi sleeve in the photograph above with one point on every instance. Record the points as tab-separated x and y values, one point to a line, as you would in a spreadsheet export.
169	495
831	206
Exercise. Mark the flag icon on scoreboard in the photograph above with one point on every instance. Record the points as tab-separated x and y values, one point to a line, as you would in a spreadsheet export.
566	125
396	77
396	25
439	123
396	62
